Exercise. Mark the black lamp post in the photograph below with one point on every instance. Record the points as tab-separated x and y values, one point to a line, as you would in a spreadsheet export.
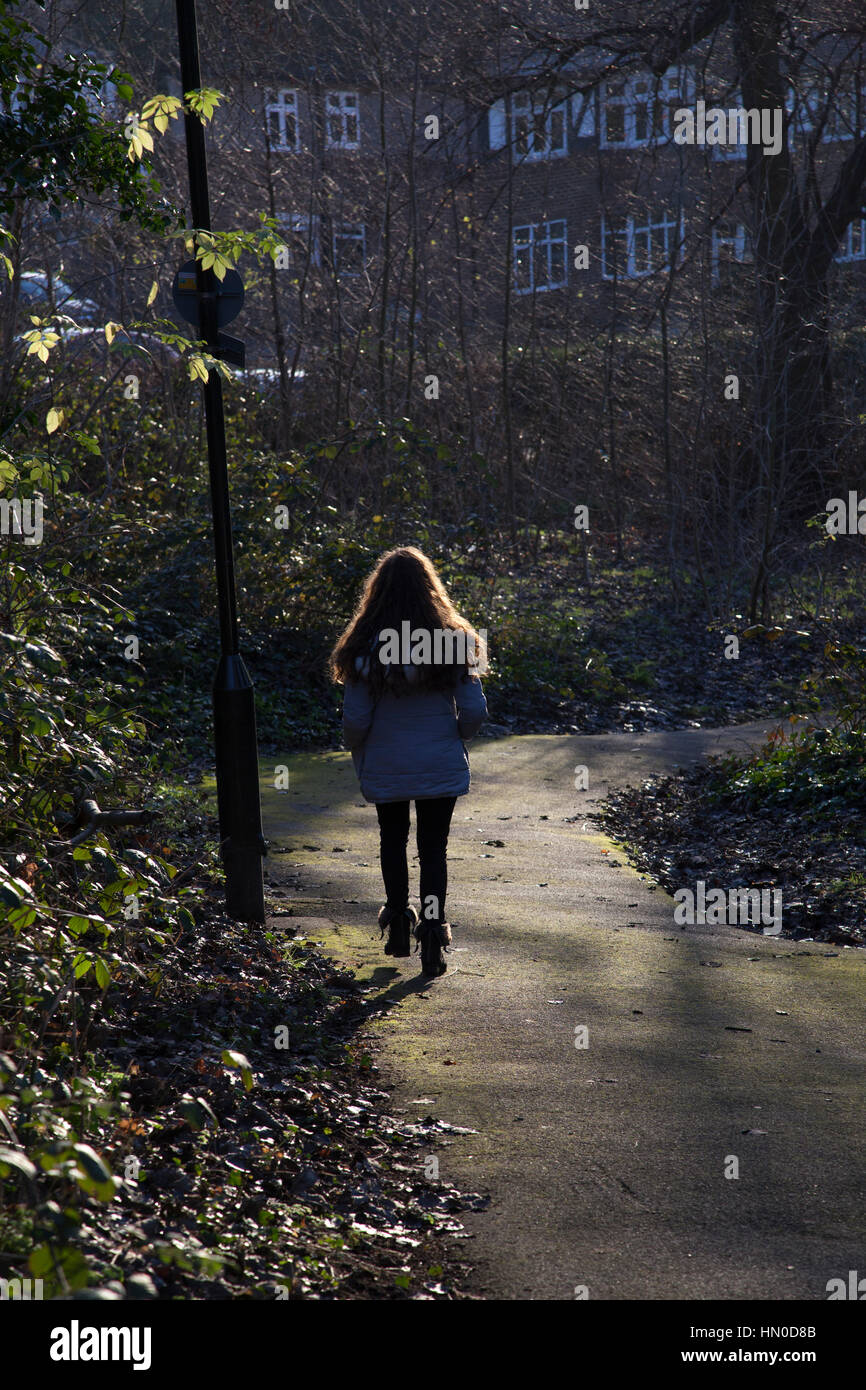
240	815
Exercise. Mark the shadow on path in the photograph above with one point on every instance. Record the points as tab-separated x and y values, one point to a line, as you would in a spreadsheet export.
709	1050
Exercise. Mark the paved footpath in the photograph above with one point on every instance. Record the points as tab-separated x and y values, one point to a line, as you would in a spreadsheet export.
709	1048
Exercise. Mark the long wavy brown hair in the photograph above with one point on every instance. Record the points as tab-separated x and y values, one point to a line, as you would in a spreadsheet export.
403	587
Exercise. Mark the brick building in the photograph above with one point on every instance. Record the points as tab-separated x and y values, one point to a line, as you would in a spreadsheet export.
548	168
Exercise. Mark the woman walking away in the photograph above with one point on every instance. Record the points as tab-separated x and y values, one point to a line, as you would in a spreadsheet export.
409	665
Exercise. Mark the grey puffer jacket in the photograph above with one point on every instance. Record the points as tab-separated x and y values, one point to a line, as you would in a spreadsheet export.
410	747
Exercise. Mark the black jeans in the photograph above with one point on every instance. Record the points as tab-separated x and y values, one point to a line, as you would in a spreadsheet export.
433	819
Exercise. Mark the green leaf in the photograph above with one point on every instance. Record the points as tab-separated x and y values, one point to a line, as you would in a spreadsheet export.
197	1112
87	442
237	1059
8	896
44	656
13	1161
41	1261
12	889
21	917
92	1164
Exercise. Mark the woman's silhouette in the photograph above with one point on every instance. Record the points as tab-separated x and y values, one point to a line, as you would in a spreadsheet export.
409	663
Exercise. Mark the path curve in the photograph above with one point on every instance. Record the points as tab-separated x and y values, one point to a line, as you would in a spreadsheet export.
710	1050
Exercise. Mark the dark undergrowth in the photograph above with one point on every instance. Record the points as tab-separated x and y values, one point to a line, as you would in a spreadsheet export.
791	817
206	1124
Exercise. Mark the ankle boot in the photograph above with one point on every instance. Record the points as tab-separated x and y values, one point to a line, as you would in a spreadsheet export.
399	923
433	938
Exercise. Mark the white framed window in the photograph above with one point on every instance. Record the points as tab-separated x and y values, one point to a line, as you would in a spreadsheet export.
743	126
282	117
737	149
539	130
583	114
615	249
540	256
301	231
342	121
349	247
639	110
496	125
730	246
616	127
634	247
853	246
